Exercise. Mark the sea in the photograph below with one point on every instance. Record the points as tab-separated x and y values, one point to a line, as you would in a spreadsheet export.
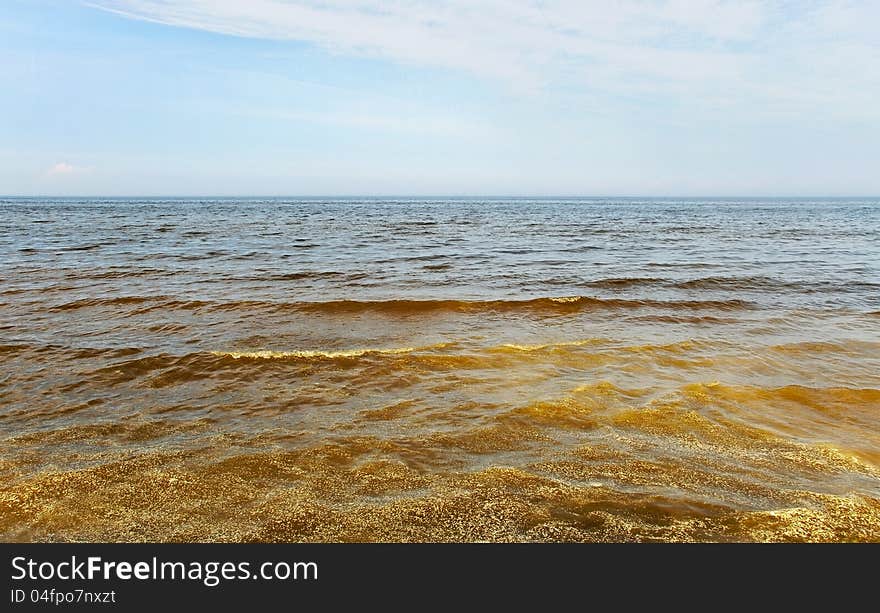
447	369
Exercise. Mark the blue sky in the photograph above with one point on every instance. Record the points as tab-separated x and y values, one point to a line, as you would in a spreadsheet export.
272	97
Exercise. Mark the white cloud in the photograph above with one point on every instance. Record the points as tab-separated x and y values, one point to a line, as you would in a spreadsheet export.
798	57
61	168
495	38
65	169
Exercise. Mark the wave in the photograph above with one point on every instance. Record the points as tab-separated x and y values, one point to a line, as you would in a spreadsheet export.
13	348
121	274
164	369
159	302
624	282
320	355
98	302
89	247
683	347
772	284
820	398
734	283
687	319
542	346
847	346
731	283
560	304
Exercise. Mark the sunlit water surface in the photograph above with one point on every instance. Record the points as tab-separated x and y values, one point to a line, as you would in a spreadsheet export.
439	370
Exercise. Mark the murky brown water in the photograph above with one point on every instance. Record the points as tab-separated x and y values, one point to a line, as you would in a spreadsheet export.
451	370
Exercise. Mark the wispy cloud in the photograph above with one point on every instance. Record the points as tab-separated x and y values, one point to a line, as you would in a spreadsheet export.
791	56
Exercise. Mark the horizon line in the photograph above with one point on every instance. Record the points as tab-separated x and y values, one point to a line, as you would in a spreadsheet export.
437	196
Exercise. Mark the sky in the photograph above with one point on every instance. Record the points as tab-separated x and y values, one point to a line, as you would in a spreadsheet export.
439	97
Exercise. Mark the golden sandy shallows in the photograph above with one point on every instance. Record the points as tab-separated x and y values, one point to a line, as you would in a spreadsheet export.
701	461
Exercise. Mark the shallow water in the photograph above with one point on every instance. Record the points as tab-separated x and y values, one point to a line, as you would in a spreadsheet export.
440	370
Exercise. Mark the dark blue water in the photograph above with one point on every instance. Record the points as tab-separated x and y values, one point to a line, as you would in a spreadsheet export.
799	253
